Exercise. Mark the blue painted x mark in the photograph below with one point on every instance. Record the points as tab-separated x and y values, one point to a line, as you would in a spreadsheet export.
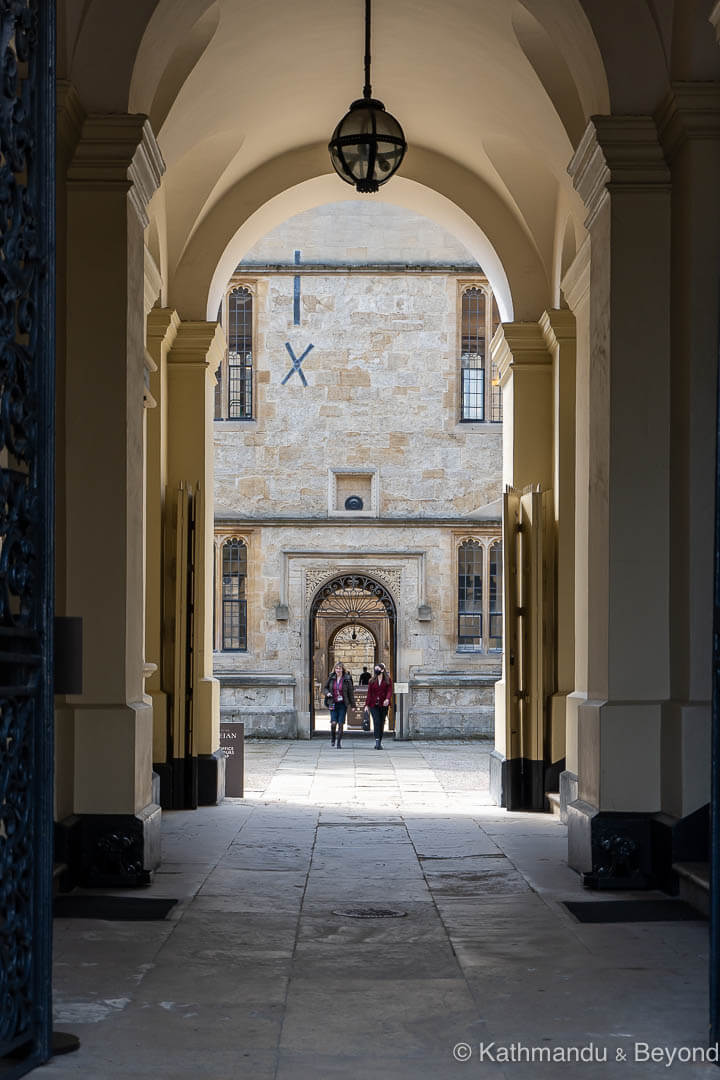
296	364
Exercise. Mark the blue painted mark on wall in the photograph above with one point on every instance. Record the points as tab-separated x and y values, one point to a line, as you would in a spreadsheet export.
296	363
296	293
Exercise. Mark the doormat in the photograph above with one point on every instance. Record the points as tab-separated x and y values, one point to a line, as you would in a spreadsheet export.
112	908
620	911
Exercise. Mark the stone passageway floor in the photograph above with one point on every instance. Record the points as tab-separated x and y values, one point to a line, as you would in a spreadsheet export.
253	977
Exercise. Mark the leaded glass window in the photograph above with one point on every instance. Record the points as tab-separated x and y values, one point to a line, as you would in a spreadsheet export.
234	598
240	355
470	595
472	350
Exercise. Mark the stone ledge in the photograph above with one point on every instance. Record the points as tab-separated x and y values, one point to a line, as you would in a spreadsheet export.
253	678
256	710
453	680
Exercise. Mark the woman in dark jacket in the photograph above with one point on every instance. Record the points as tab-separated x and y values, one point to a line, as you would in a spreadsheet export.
340	695
379	696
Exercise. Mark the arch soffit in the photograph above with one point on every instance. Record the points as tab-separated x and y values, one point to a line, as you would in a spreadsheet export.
146	34
346	626
431	184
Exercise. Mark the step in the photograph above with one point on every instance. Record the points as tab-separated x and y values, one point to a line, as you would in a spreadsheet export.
694	882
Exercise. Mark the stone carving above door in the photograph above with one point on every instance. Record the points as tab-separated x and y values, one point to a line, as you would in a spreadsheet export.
389	576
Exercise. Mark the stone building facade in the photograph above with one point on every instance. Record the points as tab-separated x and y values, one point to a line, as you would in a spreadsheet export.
348	441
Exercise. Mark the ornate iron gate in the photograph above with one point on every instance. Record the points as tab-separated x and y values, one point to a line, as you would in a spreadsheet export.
714	974
27	193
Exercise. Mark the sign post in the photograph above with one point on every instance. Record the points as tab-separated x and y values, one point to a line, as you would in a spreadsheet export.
401	689
232	742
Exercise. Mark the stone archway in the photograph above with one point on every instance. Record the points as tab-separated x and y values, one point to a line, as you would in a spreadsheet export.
355	645
346	600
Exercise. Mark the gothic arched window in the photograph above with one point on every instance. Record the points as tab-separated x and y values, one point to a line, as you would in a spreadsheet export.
234	388
472	355
470	595
239	332
234	597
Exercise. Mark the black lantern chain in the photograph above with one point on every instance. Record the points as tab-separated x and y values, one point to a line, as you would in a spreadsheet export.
367	88
368	145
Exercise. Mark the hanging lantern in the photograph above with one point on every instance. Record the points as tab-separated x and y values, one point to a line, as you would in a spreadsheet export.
368	144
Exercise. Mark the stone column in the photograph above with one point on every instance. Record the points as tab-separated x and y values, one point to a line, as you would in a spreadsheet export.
115	169
621	174
576	288
689	124
526	377
162	327
192	362
558	327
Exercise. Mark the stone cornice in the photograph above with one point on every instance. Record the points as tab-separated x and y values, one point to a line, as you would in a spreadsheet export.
162	327
119	151
690	111
518	346
558	327
459	679
254	678
576	282
617	154
231	523
198	343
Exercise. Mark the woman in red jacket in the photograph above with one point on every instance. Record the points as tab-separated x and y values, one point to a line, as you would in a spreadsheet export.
379	696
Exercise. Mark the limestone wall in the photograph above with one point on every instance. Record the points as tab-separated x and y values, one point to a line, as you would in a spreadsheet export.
360	233
378	418
382	395
418	566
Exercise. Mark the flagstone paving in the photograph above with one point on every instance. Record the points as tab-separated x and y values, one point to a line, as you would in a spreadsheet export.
254	976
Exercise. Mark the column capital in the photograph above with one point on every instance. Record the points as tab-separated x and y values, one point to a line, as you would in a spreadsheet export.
198	344
558	327
618	154
162	327
118	151
691	110
518	346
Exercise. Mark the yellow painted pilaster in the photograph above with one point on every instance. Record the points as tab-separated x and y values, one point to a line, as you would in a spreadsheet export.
525	369
162	327
191	365
558	327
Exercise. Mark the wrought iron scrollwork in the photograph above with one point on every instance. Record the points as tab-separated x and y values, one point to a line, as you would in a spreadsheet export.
26	468
351	593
